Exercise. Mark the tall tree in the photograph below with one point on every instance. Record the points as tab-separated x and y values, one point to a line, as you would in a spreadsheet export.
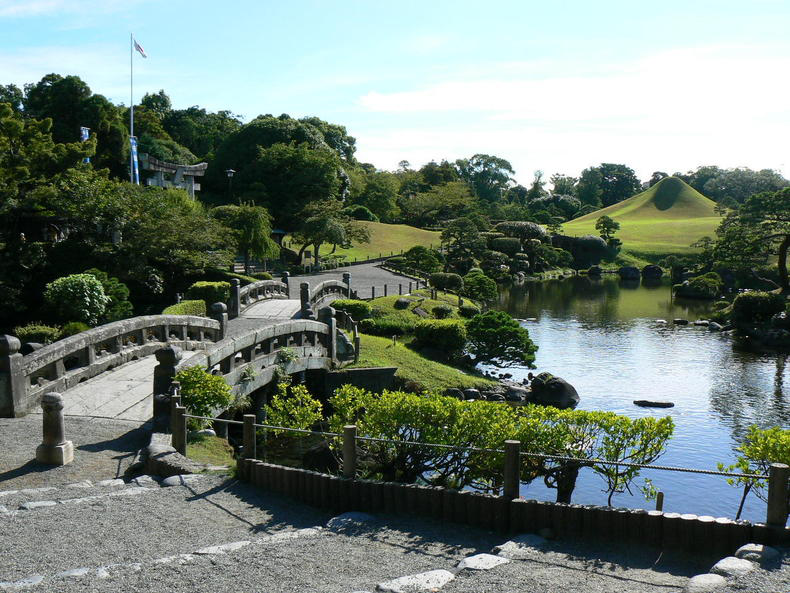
488	176
618	183
757	231
252	229
588	190
536	191
325	222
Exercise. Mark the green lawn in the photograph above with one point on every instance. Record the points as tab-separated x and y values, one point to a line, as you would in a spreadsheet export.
432	375
666	218
384	240
210	450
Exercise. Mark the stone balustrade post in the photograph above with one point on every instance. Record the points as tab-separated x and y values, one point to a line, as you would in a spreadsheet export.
347	282
219	313
168	358
284	278
349	451
778	477
12	381
234	306
54	448
304	296
511	482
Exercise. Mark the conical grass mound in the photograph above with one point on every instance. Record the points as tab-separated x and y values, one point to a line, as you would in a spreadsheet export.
666	218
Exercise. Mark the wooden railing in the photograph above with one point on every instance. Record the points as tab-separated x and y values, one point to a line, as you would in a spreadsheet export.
65	363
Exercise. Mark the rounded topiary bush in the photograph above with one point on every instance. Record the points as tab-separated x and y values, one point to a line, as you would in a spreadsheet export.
202	393
262	276
447	335
447	281
385	326
401	303
37	333
359	310
79	297
197	308
468	311
508	245
442	311
756	306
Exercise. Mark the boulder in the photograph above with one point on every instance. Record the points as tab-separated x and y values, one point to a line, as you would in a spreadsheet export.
705	583
714	327
702	323
680	321
493	396
652	272
757	553
516	394
453	392
594	271
629	273
471	394
548	390
402	303
733	567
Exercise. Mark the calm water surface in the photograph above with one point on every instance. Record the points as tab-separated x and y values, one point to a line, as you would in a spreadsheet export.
602	336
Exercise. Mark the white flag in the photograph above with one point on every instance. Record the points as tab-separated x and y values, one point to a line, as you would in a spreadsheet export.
139	48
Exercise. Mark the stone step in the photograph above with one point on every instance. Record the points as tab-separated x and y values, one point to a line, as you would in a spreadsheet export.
14	498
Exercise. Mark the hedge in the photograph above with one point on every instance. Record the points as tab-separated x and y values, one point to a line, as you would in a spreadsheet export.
386	326
37	333
187	308
210	292
447	281
359	310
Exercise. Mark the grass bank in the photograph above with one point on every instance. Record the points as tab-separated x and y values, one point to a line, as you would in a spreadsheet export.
413	367
385	239
210	450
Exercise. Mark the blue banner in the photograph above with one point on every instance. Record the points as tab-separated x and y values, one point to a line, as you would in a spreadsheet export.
85	135
135	164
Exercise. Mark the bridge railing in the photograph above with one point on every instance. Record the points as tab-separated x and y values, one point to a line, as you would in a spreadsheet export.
249	361
242	297
311	298
65	363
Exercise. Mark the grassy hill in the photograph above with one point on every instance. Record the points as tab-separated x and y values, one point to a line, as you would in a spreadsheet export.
666	218
386	239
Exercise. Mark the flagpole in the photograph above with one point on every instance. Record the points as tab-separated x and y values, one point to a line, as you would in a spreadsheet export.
131	103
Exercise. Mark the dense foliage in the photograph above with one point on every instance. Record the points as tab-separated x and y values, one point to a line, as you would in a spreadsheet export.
495	336
202	393
79	297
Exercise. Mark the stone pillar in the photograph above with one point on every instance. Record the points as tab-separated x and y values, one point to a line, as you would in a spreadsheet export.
332	339
778	476
219	312
347	282
54	448
284	278
168	358
304	296
12	381
234	306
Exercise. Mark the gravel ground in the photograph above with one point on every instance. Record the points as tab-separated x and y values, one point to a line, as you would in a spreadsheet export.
103	449
774	579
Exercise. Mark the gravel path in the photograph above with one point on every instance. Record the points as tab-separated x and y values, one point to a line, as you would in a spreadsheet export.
103	449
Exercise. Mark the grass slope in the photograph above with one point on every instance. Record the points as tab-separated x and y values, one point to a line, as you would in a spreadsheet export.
666	218
386	239
380	352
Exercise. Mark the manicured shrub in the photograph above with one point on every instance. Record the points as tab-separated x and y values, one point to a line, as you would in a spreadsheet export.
496	336
210	292
262	276
396	262
423	260
202	393
508	245
720	305
72	329
218	275
386	326
402	303
495	264
707	286
118	307
79	297
360	212
522	230
442	311
756	306
555	257
447	335
447	281
359	310
480	287
468	311
37	333
187	308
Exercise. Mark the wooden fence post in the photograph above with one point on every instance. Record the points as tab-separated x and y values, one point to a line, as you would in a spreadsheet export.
249	436
180	430
778	476
349	451
511	482
372	292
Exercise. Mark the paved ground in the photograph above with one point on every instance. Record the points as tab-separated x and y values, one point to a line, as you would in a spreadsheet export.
216	534
103	449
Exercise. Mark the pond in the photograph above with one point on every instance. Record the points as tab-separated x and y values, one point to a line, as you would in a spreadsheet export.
603	337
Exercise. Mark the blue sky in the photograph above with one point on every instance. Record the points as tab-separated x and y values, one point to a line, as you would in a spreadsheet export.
556	86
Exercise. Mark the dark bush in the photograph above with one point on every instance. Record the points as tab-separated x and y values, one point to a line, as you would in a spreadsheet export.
37	332
509	245
118	307
447	281
402	303
468	311
210	292
707	286
495	264
360	212
386	326
187	308
480	287
423	260
442	311
72	329
262	276
554	257
756	306
522	230
447	335
359	310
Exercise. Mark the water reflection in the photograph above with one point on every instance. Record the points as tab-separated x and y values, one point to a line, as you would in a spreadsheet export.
603	336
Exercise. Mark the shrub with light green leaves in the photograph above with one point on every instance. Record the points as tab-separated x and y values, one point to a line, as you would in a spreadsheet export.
294	407
197	308
37	333
359	310
447	281
202	393
447	335
442	311
210	292
756	306
72	329
78	297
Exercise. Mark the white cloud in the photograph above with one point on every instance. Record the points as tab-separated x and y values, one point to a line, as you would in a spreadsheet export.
671	110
